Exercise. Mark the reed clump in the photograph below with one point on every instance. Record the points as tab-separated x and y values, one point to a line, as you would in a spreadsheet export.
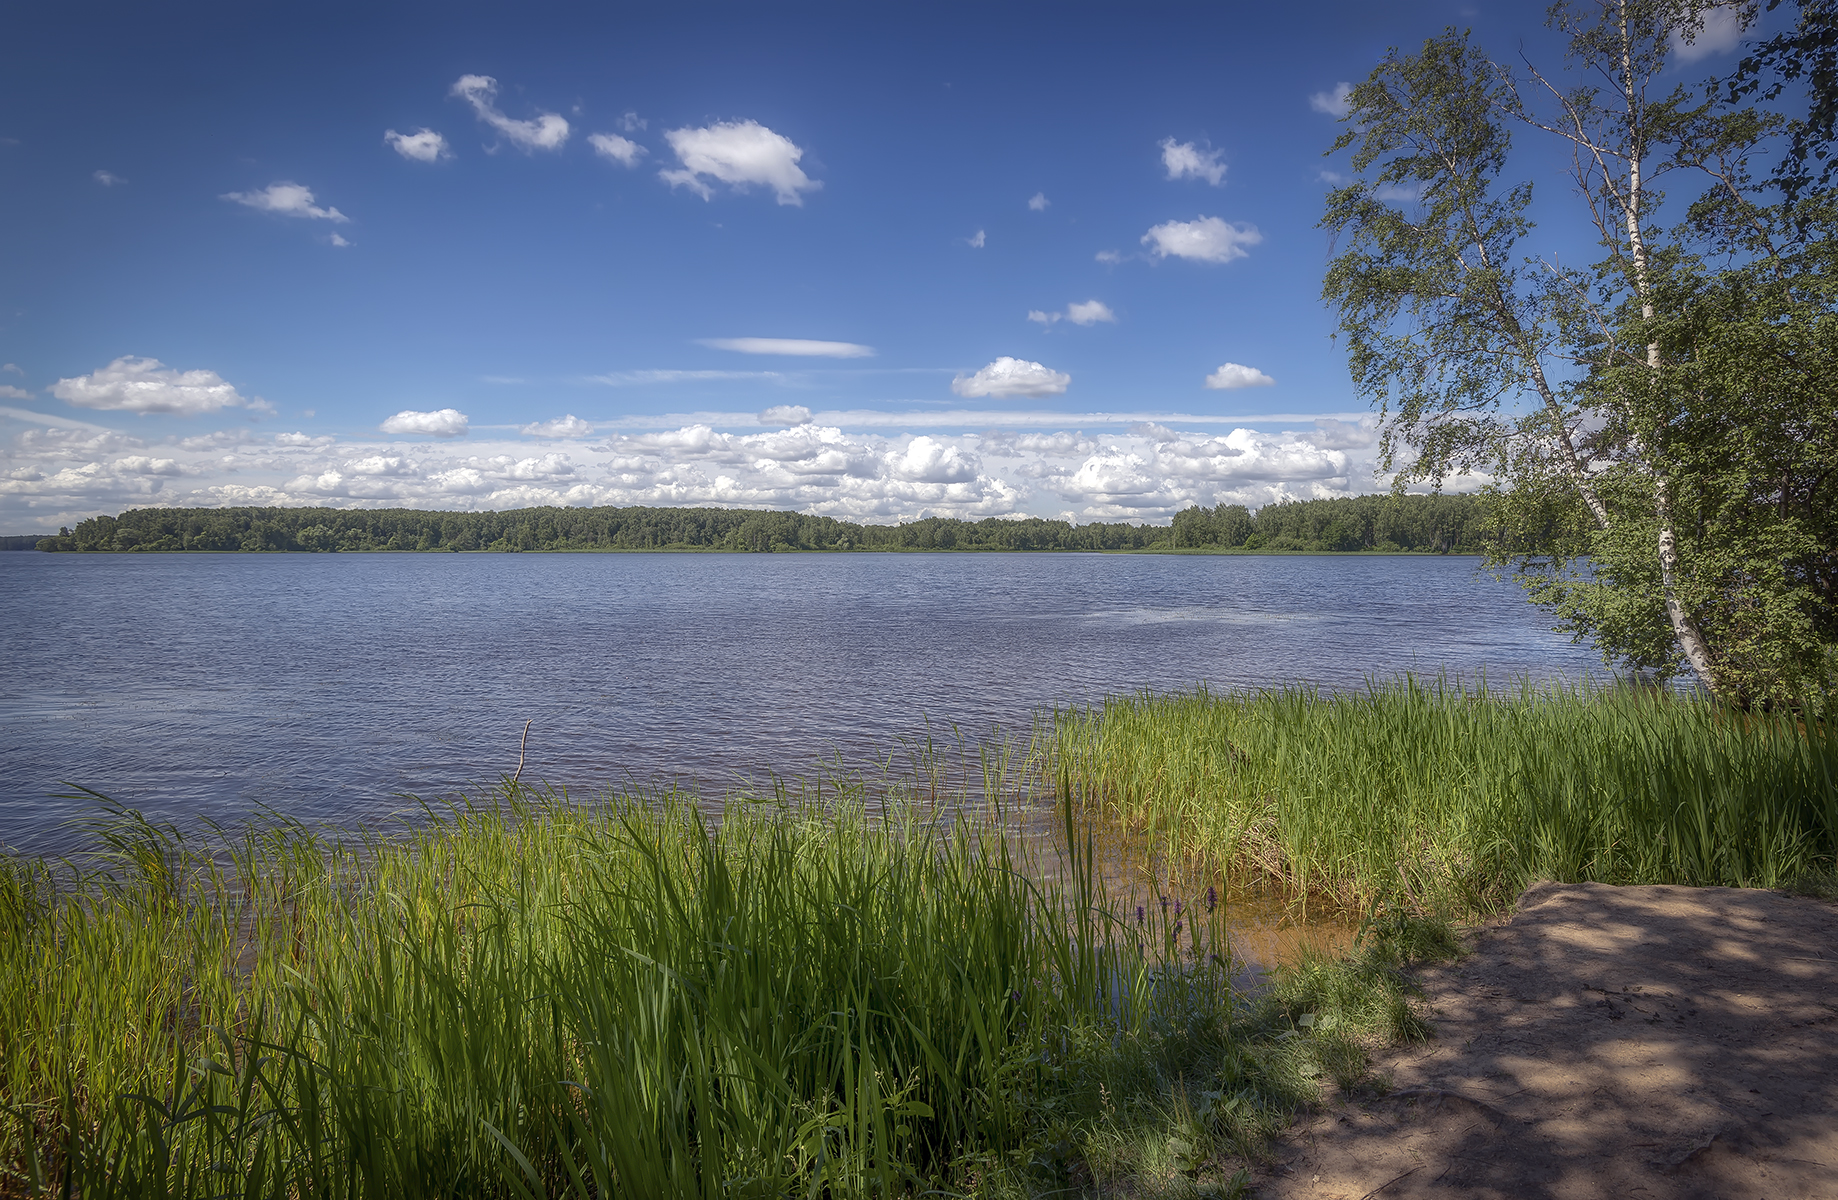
1451	800
538	997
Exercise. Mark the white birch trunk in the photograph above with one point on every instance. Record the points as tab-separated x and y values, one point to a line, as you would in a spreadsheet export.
1684	628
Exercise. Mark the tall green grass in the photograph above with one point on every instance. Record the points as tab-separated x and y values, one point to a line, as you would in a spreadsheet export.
1431	793
543	998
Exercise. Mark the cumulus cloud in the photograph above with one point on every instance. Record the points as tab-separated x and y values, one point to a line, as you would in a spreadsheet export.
1109	256
1233	375
1334	434
569	426
980	240
785	414
1184	160
14	393
140	464
1088	313
146	385
740	154
423	145
546	131
794	347
1148	472
1334	103
611	146
1038	202
442	422
631	122
1012	377
1718	30
108	178
1009	445
1204	239
928	460
289	200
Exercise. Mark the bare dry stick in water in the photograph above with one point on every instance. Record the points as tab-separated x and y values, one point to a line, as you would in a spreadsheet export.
521	747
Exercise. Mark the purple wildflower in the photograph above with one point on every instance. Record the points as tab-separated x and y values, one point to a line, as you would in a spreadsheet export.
1139	914
1177	908
1212	897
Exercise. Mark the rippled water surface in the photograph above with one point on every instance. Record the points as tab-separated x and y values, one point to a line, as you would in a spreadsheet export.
325	686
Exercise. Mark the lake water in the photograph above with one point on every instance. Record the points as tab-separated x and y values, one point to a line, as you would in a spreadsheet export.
327	686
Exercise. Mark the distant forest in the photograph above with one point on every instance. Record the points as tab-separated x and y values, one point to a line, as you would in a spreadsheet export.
1397	524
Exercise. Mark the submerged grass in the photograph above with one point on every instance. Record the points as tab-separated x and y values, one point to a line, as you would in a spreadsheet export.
544	998
1451	800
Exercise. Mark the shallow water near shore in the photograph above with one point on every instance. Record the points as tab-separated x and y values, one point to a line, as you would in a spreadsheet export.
328	687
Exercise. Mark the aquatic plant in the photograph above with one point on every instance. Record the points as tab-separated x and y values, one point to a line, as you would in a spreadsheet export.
1457	797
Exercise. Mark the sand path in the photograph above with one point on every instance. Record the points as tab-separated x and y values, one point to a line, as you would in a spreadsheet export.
1606	1042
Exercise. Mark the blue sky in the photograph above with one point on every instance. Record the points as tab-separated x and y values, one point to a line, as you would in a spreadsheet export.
876	261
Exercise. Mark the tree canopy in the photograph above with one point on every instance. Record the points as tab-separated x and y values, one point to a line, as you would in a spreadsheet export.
1442	524
1660	426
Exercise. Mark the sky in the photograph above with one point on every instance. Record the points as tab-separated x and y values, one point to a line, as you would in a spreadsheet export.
873	261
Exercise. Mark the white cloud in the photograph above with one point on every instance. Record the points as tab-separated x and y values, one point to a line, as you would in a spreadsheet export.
739	154
1232	375
1184	160
1334	103
611	146
1012	377
1038	202
785	414
1088	313
928	460
569	426
1061	445
547	131
338	240
140	464
1718	30
980	240
108	178
1204	239
795	347
423	145
640	378
146	385
1144	468
632	122
1334	434
289	200
444	422
12	368
1109	256
1400	193
14	393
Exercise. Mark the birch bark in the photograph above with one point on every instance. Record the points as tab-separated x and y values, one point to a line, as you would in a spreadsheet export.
1685	629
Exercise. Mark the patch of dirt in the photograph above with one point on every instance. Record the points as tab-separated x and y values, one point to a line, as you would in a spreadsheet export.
1606	1042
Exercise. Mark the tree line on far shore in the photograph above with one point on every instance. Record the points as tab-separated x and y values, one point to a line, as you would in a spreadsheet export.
1396	524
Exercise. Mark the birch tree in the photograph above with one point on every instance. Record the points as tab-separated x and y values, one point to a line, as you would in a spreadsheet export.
1633	404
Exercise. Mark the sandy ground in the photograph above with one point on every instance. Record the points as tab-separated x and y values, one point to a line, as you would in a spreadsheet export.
1606	1042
